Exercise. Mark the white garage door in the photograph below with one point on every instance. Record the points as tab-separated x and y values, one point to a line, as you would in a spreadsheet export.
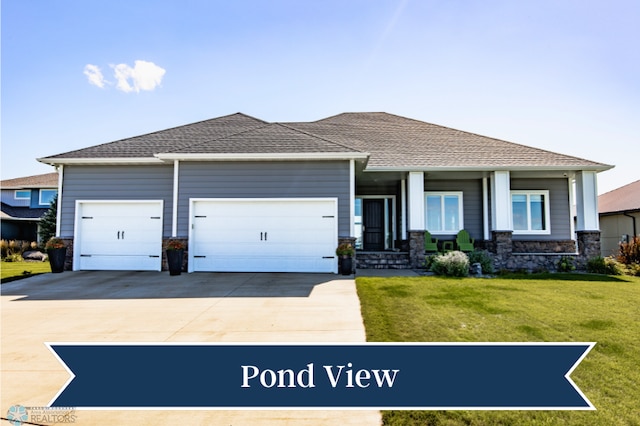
122	235
263	235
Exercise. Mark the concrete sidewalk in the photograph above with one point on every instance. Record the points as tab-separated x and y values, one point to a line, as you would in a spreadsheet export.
155	307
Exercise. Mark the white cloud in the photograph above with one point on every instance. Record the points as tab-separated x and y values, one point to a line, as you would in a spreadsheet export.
143	76
94	75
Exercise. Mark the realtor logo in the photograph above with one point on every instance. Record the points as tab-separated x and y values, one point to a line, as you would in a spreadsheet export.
17	414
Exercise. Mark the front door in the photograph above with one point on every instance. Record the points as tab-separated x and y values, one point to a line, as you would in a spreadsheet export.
373	224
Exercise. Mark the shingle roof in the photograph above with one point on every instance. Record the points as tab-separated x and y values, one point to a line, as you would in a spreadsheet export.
399	142
47	180
270	138
625	198
169	140
391	141
11	212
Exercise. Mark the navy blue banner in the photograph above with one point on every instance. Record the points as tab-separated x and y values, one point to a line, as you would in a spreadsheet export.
420	376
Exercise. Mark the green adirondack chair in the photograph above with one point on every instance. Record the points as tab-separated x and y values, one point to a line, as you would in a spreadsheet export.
430	244
464	241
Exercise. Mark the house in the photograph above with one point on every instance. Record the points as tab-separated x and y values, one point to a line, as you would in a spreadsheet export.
24	201
619	212
248	195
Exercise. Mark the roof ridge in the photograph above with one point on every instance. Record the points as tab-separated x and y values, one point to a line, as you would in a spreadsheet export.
194	145
319	137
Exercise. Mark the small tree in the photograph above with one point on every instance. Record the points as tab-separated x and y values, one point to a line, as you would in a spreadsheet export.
49	221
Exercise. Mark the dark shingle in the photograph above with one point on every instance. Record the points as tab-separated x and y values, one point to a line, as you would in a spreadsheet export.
393	142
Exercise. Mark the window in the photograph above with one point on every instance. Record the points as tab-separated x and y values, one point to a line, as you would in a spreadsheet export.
530	211
443	212
23	194
47	196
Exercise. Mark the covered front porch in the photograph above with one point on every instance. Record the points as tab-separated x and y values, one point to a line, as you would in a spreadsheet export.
523	219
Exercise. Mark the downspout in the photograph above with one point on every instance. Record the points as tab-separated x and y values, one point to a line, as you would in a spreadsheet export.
174	210
633	218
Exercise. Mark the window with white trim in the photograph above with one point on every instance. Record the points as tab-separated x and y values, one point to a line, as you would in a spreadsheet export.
47	196
22	194
530	210
443	212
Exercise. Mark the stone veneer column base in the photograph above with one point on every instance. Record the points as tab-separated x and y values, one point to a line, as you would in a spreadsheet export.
502	247
416	249
588	247
68	262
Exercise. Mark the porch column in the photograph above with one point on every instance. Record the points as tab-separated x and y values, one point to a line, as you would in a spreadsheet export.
416	221
587	201
416	201
501	201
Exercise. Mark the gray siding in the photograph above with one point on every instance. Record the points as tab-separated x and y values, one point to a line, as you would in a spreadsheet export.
278	179
115	183
471	202
559	207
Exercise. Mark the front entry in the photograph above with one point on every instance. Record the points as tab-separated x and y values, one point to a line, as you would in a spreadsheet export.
373	224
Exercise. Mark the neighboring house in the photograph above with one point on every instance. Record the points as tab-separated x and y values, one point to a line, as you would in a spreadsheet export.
619	216
249	195
24	201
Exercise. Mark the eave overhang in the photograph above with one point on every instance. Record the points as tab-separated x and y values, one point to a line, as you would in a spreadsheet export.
294	156
100	161
571	168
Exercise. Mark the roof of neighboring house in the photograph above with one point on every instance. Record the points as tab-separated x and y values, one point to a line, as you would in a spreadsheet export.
47	180
20	213
387	141
624	199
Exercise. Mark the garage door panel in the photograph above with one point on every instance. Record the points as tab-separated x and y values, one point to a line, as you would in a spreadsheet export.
119	263
119	235
225	263
264	235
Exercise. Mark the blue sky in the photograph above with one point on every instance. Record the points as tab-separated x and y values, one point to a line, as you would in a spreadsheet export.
558	75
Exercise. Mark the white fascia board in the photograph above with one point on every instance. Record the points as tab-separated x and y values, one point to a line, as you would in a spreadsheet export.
100	161
264	157
488	168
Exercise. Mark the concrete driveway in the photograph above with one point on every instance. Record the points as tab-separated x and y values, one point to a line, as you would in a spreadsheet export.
155	307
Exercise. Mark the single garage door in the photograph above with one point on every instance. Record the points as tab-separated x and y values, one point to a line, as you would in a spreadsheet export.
263	235
118	235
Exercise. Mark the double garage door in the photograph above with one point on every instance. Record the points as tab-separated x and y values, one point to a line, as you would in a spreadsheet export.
263	235
225	235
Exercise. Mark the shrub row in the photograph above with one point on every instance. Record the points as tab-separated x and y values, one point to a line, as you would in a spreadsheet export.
11	250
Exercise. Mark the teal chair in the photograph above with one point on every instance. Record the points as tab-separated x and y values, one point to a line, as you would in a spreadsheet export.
464	241
430	244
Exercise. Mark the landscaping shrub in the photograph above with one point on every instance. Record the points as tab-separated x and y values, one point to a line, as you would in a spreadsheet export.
565	264
629	253
11	251
428	261
452	264
602	265
633	269
483	258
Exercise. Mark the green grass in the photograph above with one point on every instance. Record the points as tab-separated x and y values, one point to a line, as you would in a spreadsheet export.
526	308
11	271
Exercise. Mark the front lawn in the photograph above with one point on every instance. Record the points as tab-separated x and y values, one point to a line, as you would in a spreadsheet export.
527	308
16	270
